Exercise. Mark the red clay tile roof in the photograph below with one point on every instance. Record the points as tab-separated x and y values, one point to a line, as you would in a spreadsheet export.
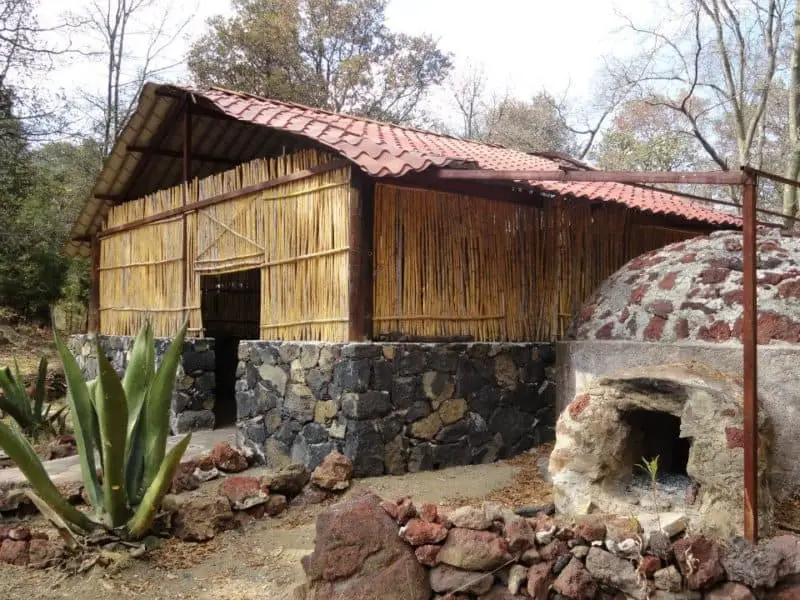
386	150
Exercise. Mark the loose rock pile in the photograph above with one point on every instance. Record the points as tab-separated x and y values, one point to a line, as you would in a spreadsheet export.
492	553
196	516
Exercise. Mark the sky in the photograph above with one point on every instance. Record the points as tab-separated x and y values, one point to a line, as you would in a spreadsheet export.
524	46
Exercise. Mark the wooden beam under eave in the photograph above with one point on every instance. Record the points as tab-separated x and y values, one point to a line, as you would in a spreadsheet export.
94	287
179	154
360	256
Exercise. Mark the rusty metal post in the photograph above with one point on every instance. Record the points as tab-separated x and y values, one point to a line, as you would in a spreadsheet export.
750	358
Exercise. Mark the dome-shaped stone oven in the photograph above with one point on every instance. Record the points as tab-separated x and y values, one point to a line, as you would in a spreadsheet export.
692	291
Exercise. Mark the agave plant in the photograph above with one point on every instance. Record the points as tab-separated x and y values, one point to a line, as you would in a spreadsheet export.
124	425
33	415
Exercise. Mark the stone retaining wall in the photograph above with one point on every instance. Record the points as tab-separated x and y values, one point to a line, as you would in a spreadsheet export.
393	408
193	396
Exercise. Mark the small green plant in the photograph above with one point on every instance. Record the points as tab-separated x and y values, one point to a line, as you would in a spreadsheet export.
127	423
33	415
651	468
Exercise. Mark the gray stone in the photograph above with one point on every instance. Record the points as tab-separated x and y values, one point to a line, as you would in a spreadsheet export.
451	455
444	359
382	377
253	430
513	424
273	422
288	352
668	579
445	578
199	361
267	354
488	452
275	377
471	423
362	351
659	544
409	360
392	426
192	420
364	447
367	405
420	458
309	355
314	433
486	401
338	429
406	391
418	410
276	454
317	382
266	396
351	375
309	455
614	572
299	403
755	566
328	355
287	431
395	456
470	378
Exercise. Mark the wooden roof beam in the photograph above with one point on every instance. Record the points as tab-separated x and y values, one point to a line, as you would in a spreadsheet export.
178	154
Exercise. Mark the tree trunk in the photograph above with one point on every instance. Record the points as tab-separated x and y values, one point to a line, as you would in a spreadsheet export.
793	160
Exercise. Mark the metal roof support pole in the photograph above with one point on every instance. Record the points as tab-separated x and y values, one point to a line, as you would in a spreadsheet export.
187	175
750	359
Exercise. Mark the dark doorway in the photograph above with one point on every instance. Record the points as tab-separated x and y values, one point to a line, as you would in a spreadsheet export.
231	309
654	434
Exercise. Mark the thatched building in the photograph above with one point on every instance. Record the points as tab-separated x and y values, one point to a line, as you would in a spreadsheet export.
262	220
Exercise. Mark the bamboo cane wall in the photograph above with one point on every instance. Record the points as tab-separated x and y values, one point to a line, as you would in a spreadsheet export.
296	234
452	265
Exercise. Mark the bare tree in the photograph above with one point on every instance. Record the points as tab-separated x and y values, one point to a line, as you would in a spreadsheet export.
717	58
468	90
793	159
133	37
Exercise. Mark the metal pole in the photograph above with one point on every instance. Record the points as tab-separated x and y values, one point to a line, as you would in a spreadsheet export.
750	357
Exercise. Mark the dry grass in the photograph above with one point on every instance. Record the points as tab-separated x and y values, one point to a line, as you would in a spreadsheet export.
529	487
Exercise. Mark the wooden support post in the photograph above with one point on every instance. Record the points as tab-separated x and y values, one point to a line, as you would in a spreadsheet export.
187	175
750	360
361	216
94	287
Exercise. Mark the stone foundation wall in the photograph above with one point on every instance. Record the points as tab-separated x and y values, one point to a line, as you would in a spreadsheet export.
393	408
193	396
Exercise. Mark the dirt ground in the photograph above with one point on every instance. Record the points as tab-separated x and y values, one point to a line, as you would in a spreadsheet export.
262	561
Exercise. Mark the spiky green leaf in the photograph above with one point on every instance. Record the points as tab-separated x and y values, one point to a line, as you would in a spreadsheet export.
13	402
136	382
20	451
112	418
84	421
147	510
156	409
40	393
139	373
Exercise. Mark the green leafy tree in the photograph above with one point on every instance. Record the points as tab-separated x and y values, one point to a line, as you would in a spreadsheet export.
645	136
529	126
334	54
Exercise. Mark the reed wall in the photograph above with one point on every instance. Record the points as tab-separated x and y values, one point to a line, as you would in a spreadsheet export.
296	234
453	265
